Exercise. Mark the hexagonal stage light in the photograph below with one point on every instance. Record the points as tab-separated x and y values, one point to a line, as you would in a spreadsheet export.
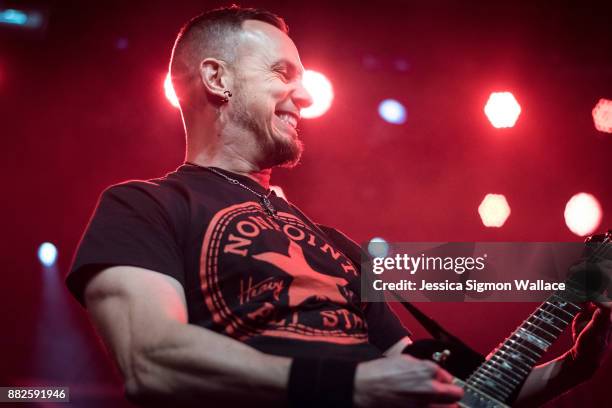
502	109
602	115
494	210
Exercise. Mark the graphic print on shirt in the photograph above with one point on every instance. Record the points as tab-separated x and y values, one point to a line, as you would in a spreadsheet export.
262	276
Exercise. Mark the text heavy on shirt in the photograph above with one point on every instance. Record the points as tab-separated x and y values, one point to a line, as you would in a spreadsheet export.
282	285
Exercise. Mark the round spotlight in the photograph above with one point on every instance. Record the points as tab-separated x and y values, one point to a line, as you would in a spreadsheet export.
169	91
502	109
47	254
378	247
494	210
321	91
392	111
602	116
582	214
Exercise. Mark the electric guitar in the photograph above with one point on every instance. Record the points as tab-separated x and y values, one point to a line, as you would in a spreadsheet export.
495	382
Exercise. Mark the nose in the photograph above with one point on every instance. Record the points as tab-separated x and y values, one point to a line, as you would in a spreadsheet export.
301	97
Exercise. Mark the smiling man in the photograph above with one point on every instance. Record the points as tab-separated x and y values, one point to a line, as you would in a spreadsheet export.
208	288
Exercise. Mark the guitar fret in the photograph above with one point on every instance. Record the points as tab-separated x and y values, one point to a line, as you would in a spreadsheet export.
492	376
560	308
525	348
536	327
494	380
499	373
506	364
533	339
565	323
547	321
516	357
487	388
499	386
512	361
566	302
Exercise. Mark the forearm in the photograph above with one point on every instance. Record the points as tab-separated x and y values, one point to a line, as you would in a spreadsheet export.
549	380
191	364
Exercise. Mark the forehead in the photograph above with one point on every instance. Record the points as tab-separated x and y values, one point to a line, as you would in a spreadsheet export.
263	43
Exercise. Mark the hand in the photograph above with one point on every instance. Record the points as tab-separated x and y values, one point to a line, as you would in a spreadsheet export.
403	381
592	332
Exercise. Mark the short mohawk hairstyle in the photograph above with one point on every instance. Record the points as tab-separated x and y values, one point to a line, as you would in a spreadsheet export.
210	34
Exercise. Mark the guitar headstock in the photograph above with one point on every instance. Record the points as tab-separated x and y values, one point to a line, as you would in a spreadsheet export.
605	237
590	279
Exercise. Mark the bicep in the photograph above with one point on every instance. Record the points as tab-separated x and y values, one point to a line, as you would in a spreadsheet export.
132	307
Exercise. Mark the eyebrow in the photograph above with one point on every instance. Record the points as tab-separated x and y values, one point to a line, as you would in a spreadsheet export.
291	67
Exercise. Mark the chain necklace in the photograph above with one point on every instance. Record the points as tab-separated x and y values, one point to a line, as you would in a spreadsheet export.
264	199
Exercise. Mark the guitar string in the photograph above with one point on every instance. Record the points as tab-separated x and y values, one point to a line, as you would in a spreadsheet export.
490	365
494	366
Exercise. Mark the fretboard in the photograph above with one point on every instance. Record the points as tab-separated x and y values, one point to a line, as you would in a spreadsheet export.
512	361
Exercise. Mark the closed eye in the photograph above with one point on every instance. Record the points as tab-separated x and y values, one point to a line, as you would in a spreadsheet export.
286	70
284	74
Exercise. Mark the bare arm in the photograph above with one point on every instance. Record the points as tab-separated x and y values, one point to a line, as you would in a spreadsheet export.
142	318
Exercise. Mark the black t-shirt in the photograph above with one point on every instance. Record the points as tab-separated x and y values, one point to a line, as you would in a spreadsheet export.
283	285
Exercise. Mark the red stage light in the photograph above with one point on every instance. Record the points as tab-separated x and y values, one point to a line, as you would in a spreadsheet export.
321	91
169	91
582	214
502	109
602	115
494	210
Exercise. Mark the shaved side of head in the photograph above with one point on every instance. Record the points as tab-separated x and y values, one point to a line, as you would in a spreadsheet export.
213	34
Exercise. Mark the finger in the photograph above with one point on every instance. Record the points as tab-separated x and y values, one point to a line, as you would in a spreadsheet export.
446	393
601	320
604	305
443	376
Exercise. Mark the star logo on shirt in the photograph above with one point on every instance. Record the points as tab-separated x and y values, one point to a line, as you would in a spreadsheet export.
306	281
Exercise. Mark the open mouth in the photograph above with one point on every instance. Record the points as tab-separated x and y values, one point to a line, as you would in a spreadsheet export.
289	118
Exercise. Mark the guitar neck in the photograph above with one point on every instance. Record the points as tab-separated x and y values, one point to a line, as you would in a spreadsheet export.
512	361
496	381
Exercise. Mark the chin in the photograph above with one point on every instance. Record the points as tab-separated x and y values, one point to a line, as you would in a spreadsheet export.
285	152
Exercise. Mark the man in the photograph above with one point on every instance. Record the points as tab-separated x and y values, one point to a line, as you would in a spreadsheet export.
209	289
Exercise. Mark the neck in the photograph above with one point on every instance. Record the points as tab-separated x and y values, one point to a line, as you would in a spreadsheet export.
209	146
261	176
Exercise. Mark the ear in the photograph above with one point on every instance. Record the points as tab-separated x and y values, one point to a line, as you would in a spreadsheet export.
214	77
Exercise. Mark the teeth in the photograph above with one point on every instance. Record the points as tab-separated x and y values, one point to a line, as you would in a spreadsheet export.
289	119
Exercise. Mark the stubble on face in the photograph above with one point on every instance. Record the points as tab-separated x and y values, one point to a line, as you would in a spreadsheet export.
275	150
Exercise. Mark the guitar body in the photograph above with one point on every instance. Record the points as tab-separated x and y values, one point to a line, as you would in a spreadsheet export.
461	362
